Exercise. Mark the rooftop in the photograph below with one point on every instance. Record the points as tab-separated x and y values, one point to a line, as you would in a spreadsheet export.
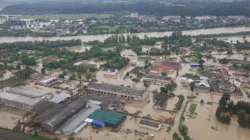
116	88
158	77
149	123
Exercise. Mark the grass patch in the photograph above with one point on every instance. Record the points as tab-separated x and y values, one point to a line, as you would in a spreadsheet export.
179	103
11	83
67	16
192	109
13	135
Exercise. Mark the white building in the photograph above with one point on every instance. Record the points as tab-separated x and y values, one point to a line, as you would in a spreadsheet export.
119	91
150	125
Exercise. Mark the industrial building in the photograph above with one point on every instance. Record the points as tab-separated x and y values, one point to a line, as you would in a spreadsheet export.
69	119
109	118
62	115
28	98
120	91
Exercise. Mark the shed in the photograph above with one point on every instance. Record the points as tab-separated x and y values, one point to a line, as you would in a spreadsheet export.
110	118
97	123
88	120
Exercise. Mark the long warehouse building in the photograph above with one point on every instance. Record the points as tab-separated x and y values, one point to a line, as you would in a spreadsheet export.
119	91
28	98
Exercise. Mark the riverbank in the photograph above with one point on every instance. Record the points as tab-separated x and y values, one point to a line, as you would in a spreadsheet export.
87	38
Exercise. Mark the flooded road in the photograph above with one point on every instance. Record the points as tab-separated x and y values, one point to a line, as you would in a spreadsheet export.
87	38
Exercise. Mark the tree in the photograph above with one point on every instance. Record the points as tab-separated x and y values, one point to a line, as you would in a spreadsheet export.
192	86
164	73
176	137
71	138
43	71
242	118
202	101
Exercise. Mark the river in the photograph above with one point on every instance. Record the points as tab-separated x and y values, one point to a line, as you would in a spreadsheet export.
87	38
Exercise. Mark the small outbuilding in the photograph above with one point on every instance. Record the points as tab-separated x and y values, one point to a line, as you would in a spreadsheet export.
97	123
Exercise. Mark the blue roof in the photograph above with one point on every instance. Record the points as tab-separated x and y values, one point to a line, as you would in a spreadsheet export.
194	64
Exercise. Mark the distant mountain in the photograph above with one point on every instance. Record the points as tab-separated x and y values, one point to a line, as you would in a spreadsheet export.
179	8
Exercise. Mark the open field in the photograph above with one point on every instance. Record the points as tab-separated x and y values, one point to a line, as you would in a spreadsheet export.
68	16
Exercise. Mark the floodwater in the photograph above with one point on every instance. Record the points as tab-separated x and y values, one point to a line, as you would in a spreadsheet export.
78	48
87	38
206	119
234	39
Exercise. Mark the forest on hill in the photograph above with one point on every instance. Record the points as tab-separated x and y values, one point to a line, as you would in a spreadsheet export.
152	8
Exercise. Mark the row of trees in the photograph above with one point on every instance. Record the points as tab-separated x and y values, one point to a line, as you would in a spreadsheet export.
36	45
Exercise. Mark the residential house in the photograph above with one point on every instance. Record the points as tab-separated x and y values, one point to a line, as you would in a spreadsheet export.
150	124
110	71
238	62
157	80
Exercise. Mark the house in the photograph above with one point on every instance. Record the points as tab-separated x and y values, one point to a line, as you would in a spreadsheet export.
238	62
240	73
150	124
193	65
160	100
86	64
25	52
157	80
226	86
146	48
175	65
110	71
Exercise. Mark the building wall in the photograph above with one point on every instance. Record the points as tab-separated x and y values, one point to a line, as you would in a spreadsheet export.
112	93
16	104
150	127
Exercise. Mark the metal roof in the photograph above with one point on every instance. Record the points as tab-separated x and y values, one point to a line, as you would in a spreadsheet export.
158	77
115	88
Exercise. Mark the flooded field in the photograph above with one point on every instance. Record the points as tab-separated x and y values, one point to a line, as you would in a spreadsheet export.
147	109
171	103
125	133
8	119
206	119
78	48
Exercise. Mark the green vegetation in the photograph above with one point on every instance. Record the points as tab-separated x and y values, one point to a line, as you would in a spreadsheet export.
192	108
224	61
226	109
67	16
20	135
11	83
179	103
176	137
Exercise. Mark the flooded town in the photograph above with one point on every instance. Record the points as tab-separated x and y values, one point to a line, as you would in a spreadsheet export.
123	75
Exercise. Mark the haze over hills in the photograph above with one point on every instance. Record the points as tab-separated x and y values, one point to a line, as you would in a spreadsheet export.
155	8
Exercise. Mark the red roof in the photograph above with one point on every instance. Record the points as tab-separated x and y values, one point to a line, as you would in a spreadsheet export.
166	67
153	73
224	71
